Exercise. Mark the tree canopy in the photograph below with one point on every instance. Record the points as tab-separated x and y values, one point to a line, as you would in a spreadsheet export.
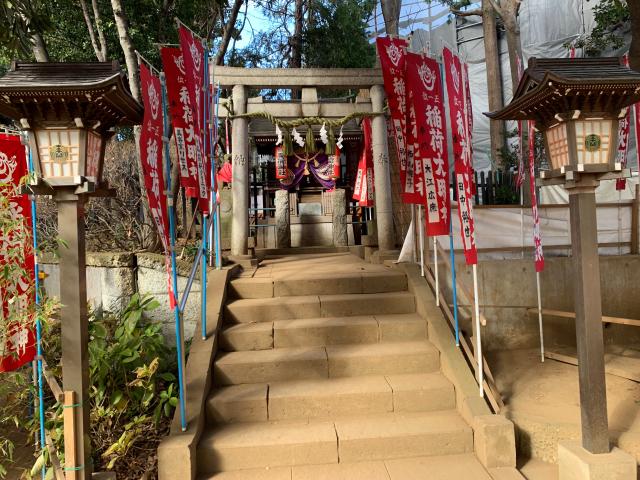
331	32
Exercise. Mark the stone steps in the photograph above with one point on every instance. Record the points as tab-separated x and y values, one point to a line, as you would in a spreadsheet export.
242	446
330	398
324	331
300	284
449	467
308	363
314	306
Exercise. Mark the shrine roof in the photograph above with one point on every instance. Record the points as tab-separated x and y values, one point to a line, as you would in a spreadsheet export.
47	91
554	85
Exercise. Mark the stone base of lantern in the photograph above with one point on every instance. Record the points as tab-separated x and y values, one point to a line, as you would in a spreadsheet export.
576	463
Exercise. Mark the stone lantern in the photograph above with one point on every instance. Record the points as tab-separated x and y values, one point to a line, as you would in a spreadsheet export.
69	111
577	104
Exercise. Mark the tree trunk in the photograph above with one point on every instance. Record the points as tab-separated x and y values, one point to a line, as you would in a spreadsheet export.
494	80
39	48
92	32
101	37
122	24
391	15
296	39
228	30
509	14
634	50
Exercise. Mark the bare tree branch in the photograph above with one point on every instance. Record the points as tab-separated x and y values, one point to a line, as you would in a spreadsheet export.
496	6
466	13
228	30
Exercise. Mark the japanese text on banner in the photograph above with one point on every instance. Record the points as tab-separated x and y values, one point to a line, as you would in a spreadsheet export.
193	59
537	236
151	157
182	118
623	139
17	346
424	87
363	190
392	61
459	118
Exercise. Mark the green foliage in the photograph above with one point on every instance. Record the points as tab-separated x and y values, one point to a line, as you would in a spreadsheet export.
132	395
336	35
20	19
612	22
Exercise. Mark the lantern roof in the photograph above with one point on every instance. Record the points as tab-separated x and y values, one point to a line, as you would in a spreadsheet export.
59	93
552	86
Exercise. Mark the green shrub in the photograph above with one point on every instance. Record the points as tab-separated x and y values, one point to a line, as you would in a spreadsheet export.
132	395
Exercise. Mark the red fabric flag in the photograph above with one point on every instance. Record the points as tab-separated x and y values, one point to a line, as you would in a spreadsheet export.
520	176
182	113
392	61
193	57
414	178
151	159
537	237
424	91
624	127
363	190
19	346
459	120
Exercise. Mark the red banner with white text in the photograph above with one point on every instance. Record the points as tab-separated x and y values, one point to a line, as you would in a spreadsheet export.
461	124
392	61
151	158
363	190
624	128
537	236
520	176
193	58
182	113
18	346
424	91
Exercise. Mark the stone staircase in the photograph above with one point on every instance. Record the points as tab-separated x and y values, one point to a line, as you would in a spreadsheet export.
330	375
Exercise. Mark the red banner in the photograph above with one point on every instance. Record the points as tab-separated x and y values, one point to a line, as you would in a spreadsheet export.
424	91
623	139
151	159
414	175
181	117
392	60
19	346
461	124
537	237
520	176
363	190
193	59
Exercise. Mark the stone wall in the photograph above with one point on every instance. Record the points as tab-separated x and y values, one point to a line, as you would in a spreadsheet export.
507	288
112	278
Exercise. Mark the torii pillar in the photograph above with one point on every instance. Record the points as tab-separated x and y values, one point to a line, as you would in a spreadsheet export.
240	184
383	204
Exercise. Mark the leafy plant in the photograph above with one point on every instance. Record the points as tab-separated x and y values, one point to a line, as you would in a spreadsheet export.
132	393
613	21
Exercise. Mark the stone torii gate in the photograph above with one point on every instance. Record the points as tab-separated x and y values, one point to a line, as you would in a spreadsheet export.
308	80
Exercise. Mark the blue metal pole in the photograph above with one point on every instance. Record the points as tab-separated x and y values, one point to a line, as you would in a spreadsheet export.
174	275
203	286
205	246
454	286
36	270
38	320
216	224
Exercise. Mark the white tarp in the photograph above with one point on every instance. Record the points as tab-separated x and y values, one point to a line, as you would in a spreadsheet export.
503	232
546	28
